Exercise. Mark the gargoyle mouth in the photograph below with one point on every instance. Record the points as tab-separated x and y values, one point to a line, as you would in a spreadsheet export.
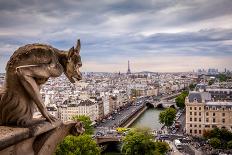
75	78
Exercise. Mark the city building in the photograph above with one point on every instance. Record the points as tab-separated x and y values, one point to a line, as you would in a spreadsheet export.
208	109
84	107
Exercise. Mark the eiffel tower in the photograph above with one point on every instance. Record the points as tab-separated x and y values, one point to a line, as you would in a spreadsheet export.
128	70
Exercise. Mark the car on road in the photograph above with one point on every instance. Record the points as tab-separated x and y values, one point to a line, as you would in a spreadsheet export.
173	131
163	137
178	144
99	133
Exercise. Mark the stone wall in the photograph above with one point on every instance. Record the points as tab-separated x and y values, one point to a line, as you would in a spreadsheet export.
39	139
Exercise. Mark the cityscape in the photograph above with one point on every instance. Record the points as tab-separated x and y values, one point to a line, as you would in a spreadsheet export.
120	101
118	77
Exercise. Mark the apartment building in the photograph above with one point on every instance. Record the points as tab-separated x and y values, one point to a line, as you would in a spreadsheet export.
203	112
85	107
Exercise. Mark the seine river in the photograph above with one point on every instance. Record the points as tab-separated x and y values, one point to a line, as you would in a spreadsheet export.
150	119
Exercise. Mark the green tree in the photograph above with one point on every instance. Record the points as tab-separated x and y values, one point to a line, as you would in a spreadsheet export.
222	77
140	142
225	135
180	99
215	143
162	147
210	82
78	145
167	116
192	86
207	134
229	144
86	121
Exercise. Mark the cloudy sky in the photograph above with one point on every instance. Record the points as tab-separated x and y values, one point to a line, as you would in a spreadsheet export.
155	35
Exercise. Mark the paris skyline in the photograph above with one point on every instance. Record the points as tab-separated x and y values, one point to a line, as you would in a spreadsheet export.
162	36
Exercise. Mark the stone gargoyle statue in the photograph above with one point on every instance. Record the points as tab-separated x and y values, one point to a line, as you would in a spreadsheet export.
29	67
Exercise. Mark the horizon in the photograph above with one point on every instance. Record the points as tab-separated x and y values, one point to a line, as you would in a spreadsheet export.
155	35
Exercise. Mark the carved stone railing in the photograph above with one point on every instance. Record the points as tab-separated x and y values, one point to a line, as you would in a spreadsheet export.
39	139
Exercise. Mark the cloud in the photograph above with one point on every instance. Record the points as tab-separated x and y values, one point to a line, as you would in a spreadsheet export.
114	31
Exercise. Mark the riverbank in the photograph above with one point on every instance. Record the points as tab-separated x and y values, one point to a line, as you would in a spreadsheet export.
150	119
136	117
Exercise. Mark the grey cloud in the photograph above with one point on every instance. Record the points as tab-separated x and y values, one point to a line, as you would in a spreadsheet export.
116	28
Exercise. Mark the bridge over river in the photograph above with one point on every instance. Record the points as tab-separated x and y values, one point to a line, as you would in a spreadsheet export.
165	102
127	116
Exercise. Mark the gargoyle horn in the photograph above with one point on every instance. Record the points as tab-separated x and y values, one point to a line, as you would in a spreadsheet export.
78	47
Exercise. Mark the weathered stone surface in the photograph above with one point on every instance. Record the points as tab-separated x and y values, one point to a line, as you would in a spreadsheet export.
28	68
41	138
12	135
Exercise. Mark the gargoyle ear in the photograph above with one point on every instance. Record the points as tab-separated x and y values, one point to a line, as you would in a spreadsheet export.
78	47
71	52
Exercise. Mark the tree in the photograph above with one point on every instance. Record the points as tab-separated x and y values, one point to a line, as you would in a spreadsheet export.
86	121
229	144
215	143
207	134
210	82
224	135
192	86
180	99
140	141
222	77
162	147
167	116
78	145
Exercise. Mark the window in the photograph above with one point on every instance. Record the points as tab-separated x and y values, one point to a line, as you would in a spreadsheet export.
190	130
207	114
195	108
190	113
195	113
223	108
199	119
195	131
199	126
207	126
190	118
199	113
223	120
214	120
207	119
195	119
223	114
214	126
199	108
190	125
195	125
190	108
199	131
213	114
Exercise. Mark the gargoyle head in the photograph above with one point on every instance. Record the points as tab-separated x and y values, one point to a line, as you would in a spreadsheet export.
78	129
74	63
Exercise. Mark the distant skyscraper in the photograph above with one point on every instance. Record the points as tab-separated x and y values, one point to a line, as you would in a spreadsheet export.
128	70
